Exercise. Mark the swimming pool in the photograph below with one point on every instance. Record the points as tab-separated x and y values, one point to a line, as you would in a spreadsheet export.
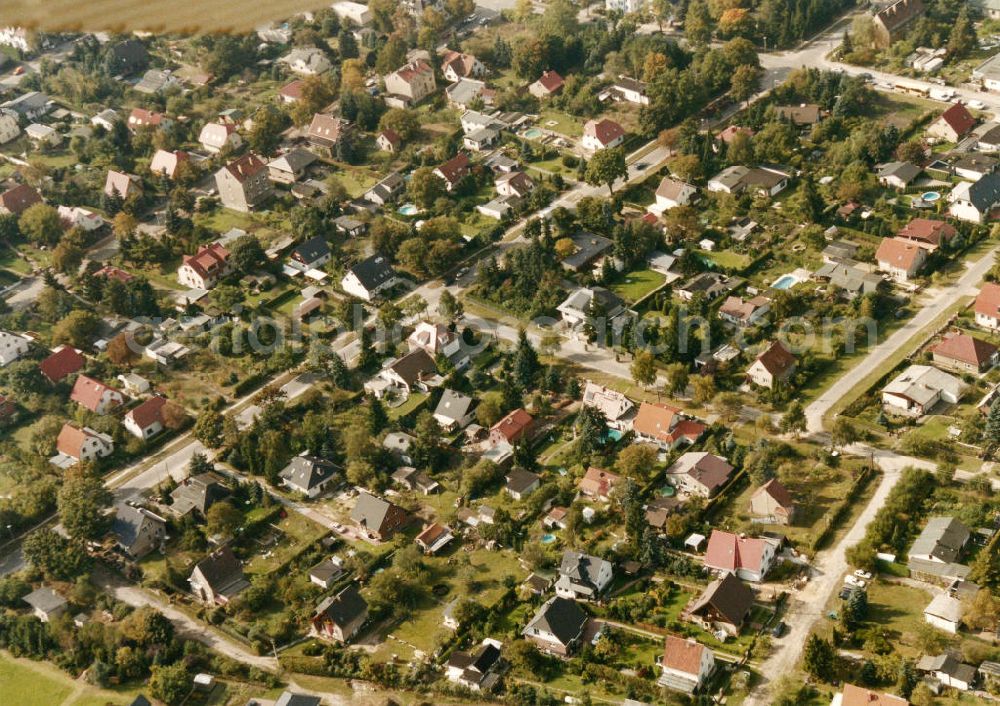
785	282
930	196
548	538
533	133
408	209
614	435
668	491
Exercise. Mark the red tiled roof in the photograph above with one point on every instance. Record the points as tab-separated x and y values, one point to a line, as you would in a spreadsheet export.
207	259
927	230
392	136
551	81
732	131
148	412
18	199
988	300
145	117
655	420
455	168
859	696
958	118
513	426
431	534
461	64
896	252
682	655
416	68
70	440
778	493
776	359
292	90
245	166
65	361
112	272
88	392
598	482
605	131
729	552
965	349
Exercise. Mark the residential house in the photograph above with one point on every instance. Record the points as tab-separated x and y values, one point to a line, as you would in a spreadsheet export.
986	308
724	605
699	473
341	616
894	21
456	65
165	163
10	128
387	190
398	443
802	115
12	347
757	180
401	377
389	141
137	530
197	494
602	134
63	362
358	13
326	132
243	184
665	426
745	313
84	219
417	481
218	578
773	503
975	201
477	671
215	137
127	57
454	411
628	89
410	84
140	119
28	106
774	366
897	175
672	193
134	385
936	551
583	577
433	538
325	573
953	124
83	444
43	135
307	61
750	558
618	410
18	199
156	81
438	340
378	519
516	184
310	255
947	670
349	226
522	483
291	92
589	250
557	627
481	140
988	73
146	420
973	166
964	353
900	258
548	84
595	307
598	484
851	280
95	396
944	613
466	91
454	170
206	268
686	664
928	233
308	474
46	604
289	698
124	185
859	696
516	426
919	388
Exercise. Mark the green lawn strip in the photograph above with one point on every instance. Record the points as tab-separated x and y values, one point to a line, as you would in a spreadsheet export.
636	285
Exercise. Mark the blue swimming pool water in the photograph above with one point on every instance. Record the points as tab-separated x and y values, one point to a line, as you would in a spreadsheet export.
614	435
408	209
533	133
784	282
930	196
548	538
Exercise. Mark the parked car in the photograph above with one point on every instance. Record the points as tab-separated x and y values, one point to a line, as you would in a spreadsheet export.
855	581
977	104
779	629
862	574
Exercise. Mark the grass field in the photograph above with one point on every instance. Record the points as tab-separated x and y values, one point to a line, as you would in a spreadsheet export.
27	683
638	284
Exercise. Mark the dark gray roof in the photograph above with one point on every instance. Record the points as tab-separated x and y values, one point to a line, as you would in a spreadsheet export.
128	523
729	596
589	247
287	698
414	365
199	492
520	480
561	617
326	570
581	568
985	193
942	538
45	600
374	271
454	405
311	250
906	171
295	160
306	472
343	608
140	700
222	570
475	665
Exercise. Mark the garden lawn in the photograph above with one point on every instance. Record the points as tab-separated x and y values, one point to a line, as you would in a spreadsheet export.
28	683
298	532
899	612
636	285
413	402
726	259
566	124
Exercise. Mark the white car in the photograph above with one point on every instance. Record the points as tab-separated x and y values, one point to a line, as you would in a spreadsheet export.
862	574
977	105
855	581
